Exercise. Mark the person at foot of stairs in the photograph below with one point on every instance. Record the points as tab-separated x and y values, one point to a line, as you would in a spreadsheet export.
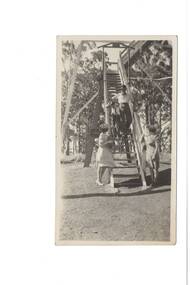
104	157
150	138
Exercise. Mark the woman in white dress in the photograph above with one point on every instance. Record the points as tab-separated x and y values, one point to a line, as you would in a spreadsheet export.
104	157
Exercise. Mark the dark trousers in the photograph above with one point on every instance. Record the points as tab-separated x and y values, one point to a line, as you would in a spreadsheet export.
125	115
116	124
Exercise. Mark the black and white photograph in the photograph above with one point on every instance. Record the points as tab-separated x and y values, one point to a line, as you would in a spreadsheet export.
116	140
95	111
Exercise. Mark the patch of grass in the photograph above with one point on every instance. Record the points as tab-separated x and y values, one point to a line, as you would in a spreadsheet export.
78	157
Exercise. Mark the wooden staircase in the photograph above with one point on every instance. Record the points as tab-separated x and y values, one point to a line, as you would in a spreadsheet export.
128	154
125	147
113	82
126	160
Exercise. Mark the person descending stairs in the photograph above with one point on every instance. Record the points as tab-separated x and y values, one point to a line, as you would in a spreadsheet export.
122	128
120	111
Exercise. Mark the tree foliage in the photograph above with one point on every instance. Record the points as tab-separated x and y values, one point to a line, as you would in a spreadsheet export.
87	80
153	107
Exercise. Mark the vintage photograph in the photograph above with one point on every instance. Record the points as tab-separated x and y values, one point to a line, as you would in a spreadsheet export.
116	140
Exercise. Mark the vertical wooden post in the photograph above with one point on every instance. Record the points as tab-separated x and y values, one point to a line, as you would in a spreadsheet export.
103	62
170	135
79	129
106	109
135	125
128	65
160	138
146	112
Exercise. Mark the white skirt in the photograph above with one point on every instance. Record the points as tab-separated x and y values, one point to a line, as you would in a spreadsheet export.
104	157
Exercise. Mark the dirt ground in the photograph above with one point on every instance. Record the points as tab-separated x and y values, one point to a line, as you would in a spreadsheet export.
89	213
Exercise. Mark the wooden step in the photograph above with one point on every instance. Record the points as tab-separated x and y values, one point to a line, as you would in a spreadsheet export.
112	73
114	86
114	82
114	90
113	79
128	175
126	166
125	178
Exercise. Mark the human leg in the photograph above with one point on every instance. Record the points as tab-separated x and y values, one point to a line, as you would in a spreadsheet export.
118	125
109	174
99	176
128	116
102	172
151	176
122	114
155	170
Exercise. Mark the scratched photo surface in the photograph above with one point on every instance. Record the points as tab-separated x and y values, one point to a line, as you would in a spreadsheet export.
116	140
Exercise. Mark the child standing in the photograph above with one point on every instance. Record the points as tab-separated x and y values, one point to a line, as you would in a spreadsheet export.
152	152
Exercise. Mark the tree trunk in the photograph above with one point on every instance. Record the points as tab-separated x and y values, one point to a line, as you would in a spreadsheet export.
67	147
89	148
160	139
79	143
94	125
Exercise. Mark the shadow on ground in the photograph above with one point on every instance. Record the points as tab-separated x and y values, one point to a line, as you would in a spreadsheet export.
164	179
137	193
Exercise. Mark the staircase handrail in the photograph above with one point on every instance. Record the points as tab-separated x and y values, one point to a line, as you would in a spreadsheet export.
135	126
